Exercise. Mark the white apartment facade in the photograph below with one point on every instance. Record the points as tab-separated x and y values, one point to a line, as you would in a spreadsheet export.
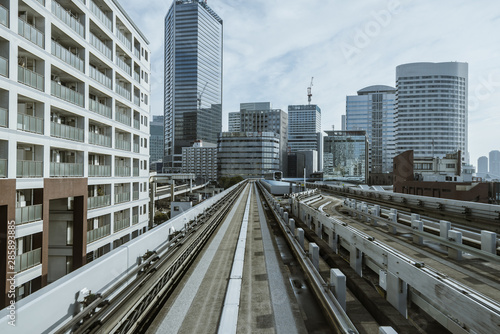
74	110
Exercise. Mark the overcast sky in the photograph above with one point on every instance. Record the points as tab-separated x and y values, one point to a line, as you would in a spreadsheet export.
272	48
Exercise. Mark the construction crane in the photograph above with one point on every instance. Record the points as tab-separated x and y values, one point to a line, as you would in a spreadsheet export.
309	94
201	94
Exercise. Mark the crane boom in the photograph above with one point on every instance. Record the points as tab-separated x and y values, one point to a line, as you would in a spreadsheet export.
309	93
201	94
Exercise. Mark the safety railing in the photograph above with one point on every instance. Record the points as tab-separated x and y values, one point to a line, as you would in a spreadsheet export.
30	78
66	131
69	58
98	201
99	139
69	19
28	260
69	95
65	169
31	33
98	233
99	171
26	168
99	108
29	123
28	214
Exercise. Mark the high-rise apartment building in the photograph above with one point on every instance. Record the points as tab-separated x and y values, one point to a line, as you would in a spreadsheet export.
431	108
372	110
482	165
74	109
157	139
494	163
234	121
201	160
193	78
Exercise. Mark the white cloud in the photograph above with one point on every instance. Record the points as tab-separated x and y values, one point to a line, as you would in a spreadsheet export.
273	48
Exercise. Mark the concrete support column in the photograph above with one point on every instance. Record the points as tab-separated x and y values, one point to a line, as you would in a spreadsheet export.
333	240
172	196
415	217
444	227
353	207
417	225
338	286
314	255
281	212
386	330
291	225
356	260
392	218
456	237
375	213
489	242
365	210
397	291
300	237
285	217
318	229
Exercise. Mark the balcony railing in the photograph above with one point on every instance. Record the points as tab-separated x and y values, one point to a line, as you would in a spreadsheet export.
124	119
123	65
29	168
136	148
122	145
31	33
100	77
123	91
135	195
120	224
98	139
98	201
121	36
4	16
28	260
4	117
4	66
29	123
65	169
99	171
122	171
66	131
135	219
100	108
137	77
99	45
28	214
137	100
98	233
3	168
101	15
137	124
69	58
69	95
69	19
122	197
135	171
30	78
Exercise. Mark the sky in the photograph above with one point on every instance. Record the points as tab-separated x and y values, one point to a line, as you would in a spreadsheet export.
272	49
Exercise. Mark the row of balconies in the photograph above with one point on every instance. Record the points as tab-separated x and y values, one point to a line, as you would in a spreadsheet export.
104	231
34	169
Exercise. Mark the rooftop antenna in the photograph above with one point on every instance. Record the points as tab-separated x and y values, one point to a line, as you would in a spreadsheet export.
309	94
201	94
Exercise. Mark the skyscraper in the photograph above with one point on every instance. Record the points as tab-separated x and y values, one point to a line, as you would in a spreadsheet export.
193	78
431	108
372	110
495	163
482	165
156	139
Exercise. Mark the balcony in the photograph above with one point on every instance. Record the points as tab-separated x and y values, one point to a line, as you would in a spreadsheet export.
4	117
98	139
136	148
30	78
124	119
137	77
121	36
122	197
99	108
100	15
66	132
3	168
66	94
69	58
135	219
66	169
98	233
28	260
123	65
4	66
120	224
135	195
122	145
123	91
29	168
137	124
136	171
4	16
28	214
98	201
99	171
137	101
31	33
99	45
122	171
99	77
68	18
29	123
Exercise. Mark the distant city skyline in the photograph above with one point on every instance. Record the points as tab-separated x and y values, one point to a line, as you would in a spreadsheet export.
345	46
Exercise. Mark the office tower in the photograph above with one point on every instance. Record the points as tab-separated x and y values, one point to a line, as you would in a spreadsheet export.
248	154
234	122
156	140
304	130
74	109
201	160
193	78
372	110
260	117
431	108
482	165
494	163
345	156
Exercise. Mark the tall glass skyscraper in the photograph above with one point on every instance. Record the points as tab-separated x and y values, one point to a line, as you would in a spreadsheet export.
431	108
372	110
193	78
